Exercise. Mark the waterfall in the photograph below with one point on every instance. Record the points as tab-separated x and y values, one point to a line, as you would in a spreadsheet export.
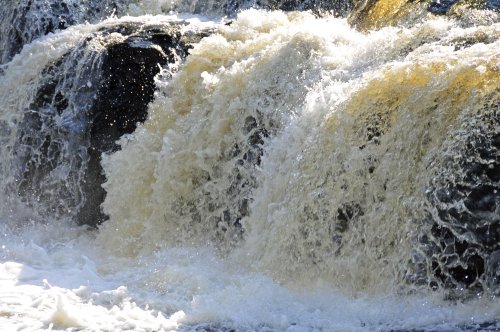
324	171
253	165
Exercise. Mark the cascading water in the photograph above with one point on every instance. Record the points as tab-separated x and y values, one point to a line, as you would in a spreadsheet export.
292	173
24	21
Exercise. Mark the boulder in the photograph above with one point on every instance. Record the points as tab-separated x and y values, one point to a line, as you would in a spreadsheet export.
74	119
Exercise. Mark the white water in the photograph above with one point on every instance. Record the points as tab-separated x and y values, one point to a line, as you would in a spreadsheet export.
53	279
168	260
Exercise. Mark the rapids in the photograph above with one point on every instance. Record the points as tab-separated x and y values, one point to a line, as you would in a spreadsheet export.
297	171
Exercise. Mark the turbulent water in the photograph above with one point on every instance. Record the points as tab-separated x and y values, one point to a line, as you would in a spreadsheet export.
294	173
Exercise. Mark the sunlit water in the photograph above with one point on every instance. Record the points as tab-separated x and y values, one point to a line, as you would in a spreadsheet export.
224	205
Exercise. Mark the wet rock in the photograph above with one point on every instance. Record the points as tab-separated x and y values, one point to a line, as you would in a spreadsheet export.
126	88
50	152
74	119
441	6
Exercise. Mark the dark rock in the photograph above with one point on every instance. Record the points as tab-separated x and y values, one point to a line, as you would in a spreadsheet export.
127	87
441	6
50	153
76	118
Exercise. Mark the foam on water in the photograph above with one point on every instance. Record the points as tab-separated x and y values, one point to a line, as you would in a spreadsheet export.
53	279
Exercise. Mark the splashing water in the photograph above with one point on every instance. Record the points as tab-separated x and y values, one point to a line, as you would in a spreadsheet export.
293	174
